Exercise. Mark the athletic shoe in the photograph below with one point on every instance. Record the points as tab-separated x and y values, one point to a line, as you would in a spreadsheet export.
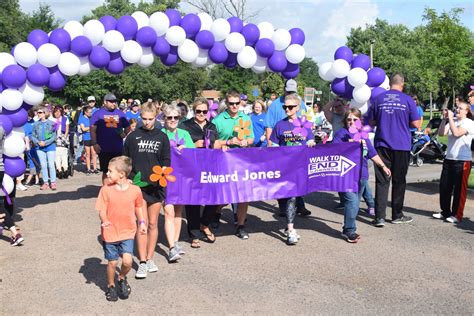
53	186
286	233
303	212
402	220
151	266
124	288
180	249
351	237
292	238
141	271
16	240
452	219
241	233
21	187
174	256
371	211
89	172
97	171
111	294
379	222
44	186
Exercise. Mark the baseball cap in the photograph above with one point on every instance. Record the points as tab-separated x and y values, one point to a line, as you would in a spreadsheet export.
110	97
136	102
291	86
243	97
90	98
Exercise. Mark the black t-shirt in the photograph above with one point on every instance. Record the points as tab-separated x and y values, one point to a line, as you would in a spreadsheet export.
198	133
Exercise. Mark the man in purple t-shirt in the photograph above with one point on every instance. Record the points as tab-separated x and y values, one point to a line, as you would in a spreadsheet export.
108	129
393	112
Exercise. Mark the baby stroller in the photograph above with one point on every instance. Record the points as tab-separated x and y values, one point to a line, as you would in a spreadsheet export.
62	144
426	147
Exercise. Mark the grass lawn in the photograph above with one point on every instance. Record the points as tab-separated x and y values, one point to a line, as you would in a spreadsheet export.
470	183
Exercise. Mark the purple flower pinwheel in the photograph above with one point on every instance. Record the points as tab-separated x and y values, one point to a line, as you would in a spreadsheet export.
176	142
301	125
358	131
213	106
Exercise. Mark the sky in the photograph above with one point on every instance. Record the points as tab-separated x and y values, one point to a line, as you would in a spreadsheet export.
326	23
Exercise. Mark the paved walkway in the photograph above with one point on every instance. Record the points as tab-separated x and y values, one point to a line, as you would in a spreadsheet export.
424	267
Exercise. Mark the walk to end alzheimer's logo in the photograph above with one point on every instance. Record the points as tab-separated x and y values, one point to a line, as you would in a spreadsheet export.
329	165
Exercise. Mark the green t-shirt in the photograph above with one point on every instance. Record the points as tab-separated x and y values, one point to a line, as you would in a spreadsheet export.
182	134
226	124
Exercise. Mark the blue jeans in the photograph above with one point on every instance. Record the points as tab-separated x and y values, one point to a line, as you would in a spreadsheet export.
47	163
79	150
366	193
351	209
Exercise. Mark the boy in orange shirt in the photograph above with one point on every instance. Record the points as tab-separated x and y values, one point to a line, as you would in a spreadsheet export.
120	205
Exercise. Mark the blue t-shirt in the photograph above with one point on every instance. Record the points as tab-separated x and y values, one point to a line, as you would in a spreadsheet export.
110	124
258	123
28	127
276	113
284	134
344	136
86	122
131	115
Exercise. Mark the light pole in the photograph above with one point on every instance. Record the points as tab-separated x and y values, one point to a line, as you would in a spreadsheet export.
372	42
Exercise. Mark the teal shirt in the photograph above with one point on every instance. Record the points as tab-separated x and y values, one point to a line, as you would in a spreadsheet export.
225	125
182	134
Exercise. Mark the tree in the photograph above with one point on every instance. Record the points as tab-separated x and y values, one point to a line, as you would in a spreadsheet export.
239	79
43	19
225	8
12	25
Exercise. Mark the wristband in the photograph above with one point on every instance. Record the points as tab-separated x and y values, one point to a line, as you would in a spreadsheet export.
141	222
227	142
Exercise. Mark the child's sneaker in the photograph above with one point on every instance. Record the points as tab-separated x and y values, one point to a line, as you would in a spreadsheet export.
21	187
124	289
151	266
111	294
292	238
141	271
17	240
44	186
53	186
174	256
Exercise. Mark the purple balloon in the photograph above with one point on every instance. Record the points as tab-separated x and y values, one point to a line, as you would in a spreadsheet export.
174	16
345	53
277	62
218	53
81	46
291	71
376	92
348	93
38	75
109	22
13	76
61	39
99	57
376	76
14	166
236	24
116	65
18	117
265	47
128	26
38	38
172	58
361	61
339	86
297	36
191	24
205	39
27	106
6	123
251	34
146	36
231	61
57	81
161	47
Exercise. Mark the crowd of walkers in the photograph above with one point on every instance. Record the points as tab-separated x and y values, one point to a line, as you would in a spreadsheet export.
129	143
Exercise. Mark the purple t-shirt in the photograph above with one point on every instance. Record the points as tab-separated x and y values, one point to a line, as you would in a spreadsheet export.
393	111
109	127
368	152
284	134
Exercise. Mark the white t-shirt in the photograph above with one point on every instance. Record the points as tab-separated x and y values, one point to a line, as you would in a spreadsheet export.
459	148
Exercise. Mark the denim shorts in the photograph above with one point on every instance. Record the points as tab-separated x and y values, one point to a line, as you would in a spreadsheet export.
113	250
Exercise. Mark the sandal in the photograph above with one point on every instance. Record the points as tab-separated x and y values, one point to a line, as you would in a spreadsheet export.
195	243
209	238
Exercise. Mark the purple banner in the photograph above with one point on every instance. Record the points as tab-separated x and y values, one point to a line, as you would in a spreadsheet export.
207	177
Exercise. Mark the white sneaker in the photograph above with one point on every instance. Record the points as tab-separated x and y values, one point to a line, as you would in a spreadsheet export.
21	187
142	271
452	219
437	215
292	237
151	266
286	233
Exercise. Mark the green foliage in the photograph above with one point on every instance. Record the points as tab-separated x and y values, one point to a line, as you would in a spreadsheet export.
272	82
43	19
12	25
225	79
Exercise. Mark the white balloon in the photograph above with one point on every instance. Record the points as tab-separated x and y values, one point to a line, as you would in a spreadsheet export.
260	65
141	18
48	55
364	108
221	29
340	68
19	131
295	53
357	77
206	21
131	52
386	83
94	31
69	64
361	94
355	104
32	94
160	23
25	54
113	41
1	102
188	51
175	35
247	57
281	38
12	99
86	66
14	145
235	42
7	184
74	28
147	58
325	71
266	30
6	60
202	59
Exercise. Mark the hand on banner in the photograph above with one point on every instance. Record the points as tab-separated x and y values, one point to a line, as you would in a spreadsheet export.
199	143
243	143
311	143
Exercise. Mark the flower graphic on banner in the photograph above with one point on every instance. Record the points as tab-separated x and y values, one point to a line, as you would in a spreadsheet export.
242	129
301	125
110	122
359	132
213	106
176	142
162	175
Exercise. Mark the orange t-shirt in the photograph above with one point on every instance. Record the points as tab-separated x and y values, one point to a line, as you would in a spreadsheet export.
120	209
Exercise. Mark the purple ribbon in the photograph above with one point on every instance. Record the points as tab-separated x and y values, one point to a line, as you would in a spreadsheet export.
7	197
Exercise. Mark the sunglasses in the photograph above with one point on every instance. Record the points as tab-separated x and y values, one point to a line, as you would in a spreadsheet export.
112	101
233	103
351	119
289	107
40	112
201	111
171	118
